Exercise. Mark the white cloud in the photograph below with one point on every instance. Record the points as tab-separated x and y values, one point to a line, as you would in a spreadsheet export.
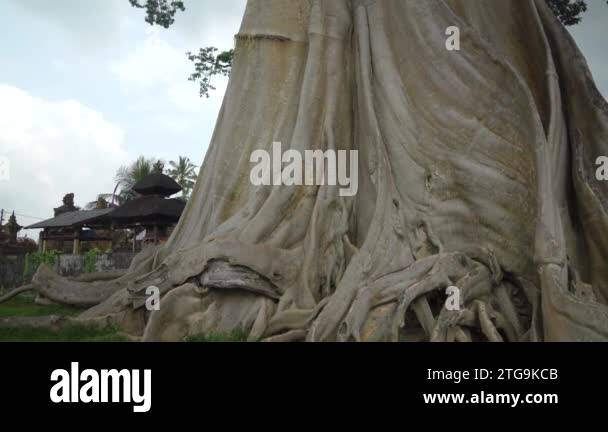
175	124
151	63
156	72
210	23
154	77
88	26
54	147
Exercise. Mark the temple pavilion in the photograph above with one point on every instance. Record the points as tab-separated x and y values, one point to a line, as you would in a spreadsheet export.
152	212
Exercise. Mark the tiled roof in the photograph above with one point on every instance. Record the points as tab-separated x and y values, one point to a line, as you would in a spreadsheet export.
75	218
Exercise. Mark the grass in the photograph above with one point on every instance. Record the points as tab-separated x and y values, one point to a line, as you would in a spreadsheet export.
235	336
23	306
67	334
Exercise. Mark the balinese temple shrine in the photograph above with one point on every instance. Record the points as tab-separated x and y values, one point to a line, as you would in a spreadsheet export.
74	231
150	215
152	210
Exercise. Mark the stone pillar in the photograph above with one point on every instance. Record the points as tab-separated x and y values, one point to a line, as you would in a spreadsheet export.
45	234
76	243
112	229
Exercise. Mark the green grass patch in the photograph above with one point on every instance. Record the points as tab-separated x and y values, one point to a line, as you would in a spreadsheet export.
68	334
235	336
24	306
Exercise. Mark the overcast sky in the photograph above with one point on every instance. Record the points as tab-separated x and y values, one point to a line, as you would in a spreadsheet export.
87	86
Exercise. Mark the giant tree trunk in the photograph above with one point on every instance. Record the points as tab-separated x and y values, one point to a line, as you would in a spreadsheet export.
476	169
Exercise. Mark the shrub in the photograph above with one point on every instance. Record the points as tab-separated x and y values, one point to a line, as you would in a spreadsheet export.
90	259
33	261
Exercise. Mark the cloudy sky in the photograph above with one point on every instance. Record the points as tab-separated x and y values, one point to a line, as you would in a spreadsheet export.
87	86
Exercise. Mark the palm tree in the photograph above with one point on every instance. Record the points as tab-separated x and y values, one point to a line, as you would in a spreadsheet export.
128	175
104	200
184	173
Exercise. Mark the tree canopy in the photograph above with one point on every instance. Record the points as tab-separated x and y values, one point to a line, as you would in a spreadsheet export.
184	172
160	12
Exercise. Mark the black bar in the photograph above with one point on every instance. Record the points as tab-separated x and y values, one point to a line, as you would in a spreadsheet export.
256	377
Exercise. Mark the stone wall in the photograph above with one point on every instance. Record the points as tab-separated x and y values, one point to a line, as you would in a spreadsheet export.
12	267
73	265
11	271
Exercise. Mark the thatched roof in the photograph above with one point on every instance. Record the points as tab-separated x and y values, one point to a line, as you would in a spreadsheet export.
157	184
149	209
74	219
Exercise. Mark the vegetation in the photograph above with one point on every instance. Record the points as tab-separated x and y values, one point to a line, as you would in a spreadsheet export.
160	12
33	261
24	306
26	243
183	171
128	175
90	258
67	334
568	11
207	64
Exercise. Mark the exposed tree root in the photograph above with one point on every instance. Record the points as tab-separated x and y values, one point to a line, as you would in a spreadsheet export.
86	291
17	291
290	336
478	281
222	275
99	276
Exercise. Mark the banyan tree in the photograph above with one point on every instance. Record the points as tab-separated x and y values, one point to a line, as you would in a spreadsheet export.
476	170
